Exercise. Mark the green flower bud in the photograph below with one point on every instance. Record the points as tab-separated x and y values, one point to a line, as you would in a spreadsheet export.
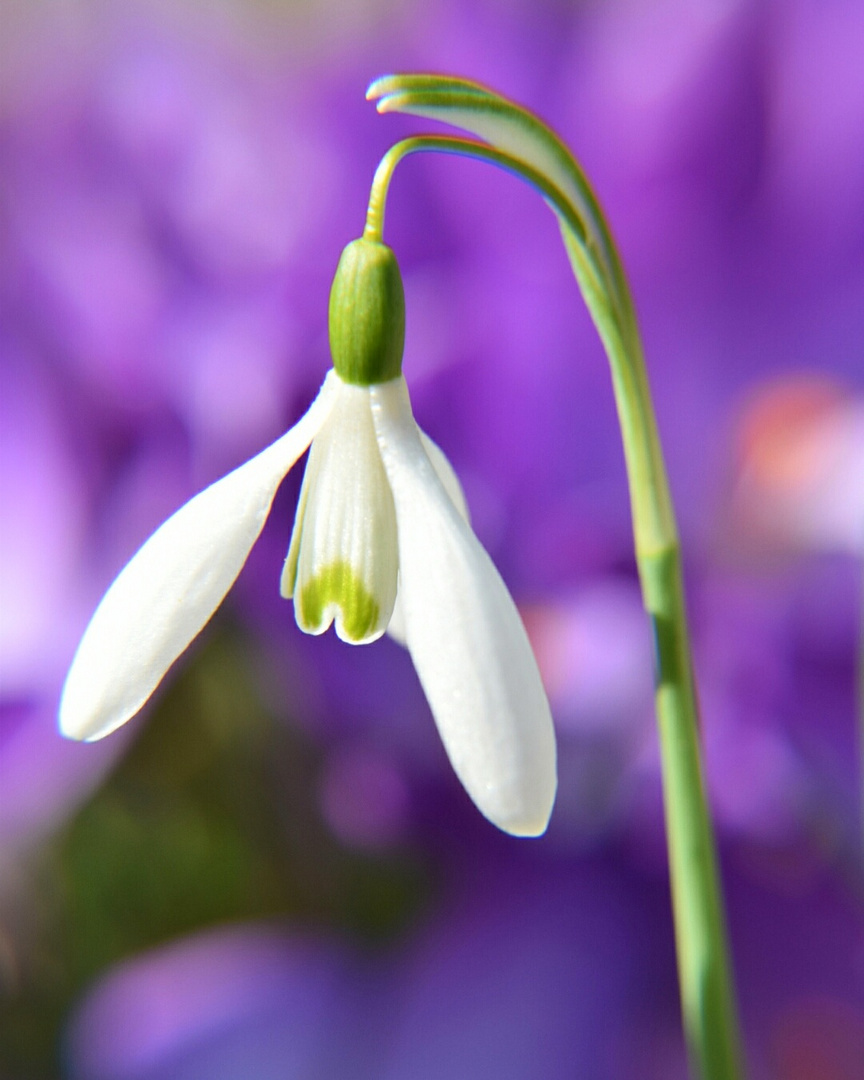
367	314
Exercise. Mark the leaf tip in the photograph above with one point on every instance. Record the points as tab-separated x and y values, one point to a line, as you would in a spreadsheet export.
379	87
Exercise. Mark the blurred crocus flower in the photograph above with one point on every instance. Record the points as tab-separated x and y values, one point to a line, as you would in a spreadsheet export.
802	465
380	507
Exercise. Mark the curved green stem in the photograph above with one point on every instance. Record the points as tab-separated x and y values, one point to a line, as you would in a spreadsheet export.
653	517
707	998
452	144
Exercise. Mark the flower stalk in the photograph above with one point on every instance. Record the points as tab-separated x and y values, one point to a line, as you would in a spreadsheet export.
516	140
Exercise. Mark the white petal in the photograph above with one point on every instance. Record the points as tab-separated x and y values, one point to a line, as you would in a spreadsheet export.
466	638
343	558
167	592
447	475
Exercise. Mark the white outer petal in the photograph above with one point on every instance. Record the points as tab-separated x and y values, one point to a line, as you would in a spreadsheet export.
167	592
447	475
466	638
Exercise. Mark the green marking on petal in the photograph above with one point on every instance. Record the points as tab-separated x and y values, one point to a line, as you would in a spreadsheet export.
338	584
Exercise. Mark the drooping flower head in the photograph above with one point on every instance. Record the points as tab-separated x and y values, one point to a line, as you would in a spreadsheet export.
381	541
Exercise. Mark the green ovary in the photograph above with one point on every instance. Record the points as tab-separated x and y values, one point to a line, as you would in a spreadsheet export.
339	585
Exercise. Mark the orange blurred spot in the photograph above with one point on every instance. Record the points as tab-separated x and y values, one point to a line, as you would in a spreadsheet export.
821	1039
775	426
800	466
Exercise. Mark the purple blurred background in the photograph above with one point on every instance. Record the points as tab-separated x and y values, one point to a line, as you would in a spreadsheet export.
272	872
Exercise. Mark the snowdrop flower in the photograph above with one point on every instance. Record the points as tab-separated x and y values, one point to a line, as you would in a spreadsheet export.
381	524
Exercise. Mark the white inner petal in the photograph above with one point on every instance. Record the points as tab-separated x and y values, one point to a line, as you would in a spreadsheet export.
343	560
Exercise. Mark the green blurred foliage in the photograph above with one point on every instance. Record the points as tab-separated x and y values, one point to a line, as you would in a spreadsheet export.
212	817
